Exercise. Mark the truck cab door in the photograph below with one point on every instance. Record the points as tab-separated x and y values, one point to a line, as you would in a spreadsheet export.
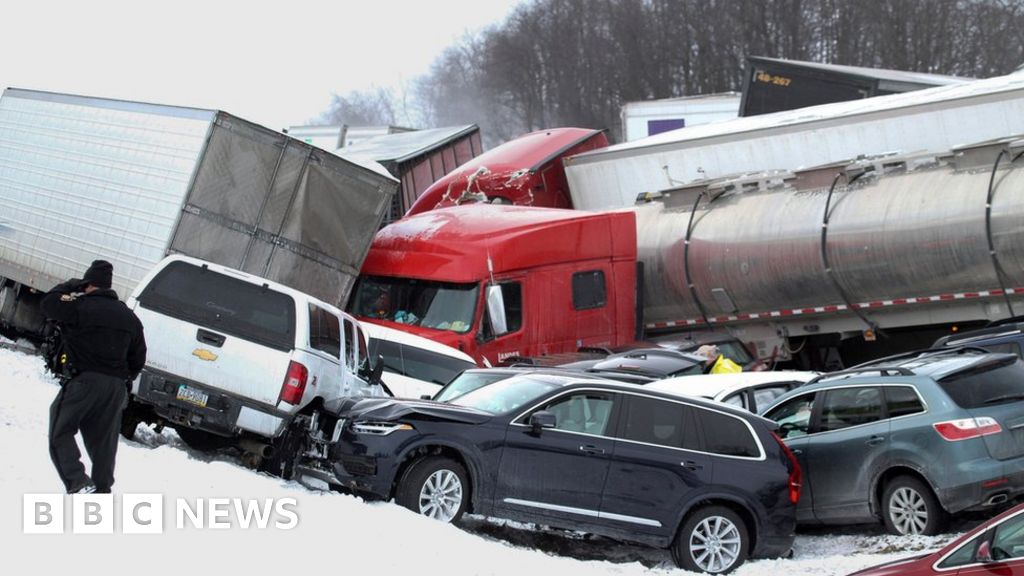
502	334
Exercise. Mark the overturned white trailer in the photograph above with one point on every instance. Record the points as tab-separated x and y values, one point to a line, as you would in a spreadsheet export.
934	119
84	178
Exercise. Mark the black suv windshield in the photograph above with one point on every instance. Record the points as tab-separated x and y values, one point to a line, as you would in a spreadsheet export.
986	385
467	382
438	305
220	302
506	395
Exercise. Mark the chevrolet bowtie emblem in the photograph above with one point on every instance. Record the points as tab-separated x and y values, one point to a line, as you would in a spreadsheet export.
204	354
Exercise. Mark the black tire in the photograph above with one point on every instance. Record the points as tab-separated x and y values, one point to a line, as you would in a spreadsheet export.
910	507
202	441
286	453
436	487
129	422
713	539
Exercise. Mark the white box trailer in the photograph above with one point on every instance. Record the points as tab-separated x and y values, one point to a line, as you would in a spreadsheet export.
930	120
650	117
85	178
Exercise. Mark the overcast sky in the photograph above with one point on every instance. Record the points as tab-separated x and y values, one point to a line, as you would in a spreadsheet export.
275	63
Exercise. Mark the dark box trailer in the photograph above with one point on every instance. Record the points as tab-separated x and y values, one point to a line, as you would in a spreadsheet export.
84	178
774	85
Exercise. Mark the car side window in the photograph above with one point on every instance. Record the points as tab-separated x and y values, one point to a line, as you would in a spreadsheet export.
846	407
324	331
1008	541
350	350
793	416
902	401
1007	544
583	412
964	555
765	395
659	422
726	435
738	399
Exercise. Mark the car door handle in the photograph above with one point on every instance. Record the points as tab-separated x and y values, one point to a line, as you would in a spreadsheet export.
691	465
591	449
875	440
796	451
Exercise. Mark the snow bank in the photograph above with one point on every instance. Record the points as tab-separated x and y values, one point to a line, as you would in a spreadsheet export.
336	532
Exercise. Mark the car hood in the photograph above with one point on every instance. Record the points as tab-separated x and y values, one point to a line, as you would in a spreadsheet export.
390	409
893	568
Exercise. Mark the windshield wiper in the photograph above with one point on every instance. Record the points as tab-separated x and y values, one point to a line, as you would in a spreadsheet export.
1003	398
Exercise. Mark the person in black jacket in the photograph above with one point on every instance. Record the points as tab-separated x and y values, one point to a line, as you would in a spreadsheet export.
105	350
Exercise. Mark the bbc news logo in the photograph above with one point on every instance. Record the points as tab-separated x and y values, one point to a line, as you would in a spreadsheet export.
145	514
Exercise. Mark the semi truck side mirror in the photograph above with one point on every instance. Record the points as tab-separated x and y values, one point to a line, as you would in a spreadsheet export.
496	309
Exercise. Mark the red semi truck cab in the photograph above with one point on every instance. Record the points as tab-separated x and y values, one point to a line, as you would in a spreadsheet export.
501	281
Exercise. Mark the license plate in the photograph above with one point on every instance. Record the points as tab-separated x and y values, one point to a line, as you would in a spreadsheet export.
192	396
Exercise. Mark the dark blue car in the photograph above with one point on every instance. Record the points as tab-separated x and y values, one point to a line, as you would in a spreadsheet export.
710	482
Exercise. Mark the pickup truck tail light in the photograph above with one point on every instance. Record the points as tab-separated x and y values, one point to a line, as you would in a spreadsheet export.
965	428
294	383
796	476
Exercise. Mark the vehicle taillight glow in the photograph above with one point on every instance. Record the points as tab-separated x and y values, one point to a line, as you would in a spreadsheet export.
796	476
965	428
294	383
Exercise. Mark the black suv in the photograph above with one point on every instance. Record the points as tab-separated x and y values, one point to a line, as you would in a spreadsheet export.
710	482
1005	335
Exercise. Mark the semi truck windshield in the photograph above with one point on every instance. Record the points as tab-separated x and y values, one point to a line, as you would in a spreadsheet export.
438	305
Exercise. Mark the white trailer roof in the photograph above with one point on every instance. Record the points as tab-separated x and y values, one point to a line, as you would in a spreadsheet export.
932	119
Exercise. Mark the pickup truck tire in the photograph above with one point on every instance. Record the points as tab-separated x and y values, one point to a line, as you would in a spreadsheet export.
201	441
286	452
129	422
436	487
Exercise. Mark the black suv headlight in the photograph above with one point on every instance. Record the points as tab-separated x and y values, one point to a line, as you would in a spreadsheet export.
379	428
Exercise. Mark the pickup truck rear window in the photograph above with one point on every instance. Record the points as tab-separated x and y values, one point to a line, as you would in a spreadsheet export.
222	303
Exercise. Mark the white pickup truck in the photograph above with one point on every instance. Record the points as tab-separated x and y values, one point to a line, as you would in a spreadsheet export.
235	359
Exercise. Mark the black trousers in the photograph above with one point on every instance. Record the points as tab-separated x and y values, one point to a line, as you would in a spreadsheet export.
90	403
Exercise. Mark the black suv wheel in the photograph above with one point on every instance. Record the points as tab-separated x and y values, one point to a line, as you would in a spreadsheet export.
436	487
713	539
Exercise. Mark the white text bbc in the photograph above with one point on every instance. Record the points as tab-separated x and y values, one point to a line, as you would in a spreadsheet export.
144	513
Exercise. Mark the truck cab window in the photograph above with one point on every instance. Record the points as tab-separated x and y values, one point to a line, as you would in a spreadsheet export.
588	290
437	305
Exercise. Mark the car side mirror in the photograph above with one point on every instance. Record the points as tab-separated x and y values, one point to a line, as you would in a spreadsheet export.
984	553
541	420
374	378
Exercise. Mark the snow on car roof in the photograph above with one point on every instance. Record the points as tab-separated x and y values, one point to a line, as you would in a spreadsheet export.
714	385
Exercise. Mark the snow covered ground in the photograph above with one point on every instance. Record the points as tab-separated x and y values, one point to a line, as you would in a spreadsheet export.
337	532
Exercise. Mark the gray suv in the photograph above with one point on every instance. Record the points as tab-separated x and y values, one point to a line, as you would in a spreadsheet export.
910	439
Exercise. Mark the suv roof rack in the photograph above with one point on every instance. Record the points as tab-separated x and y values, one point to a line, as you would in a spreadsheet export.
882	370
1006	326
1005	321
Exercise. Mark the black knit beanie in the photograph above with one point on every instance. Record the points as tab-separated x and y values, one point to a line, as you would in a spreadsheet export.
100	274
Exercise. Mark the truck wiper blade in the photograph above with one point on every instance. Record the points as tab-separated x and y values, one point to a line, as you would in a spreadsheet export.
1003	398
